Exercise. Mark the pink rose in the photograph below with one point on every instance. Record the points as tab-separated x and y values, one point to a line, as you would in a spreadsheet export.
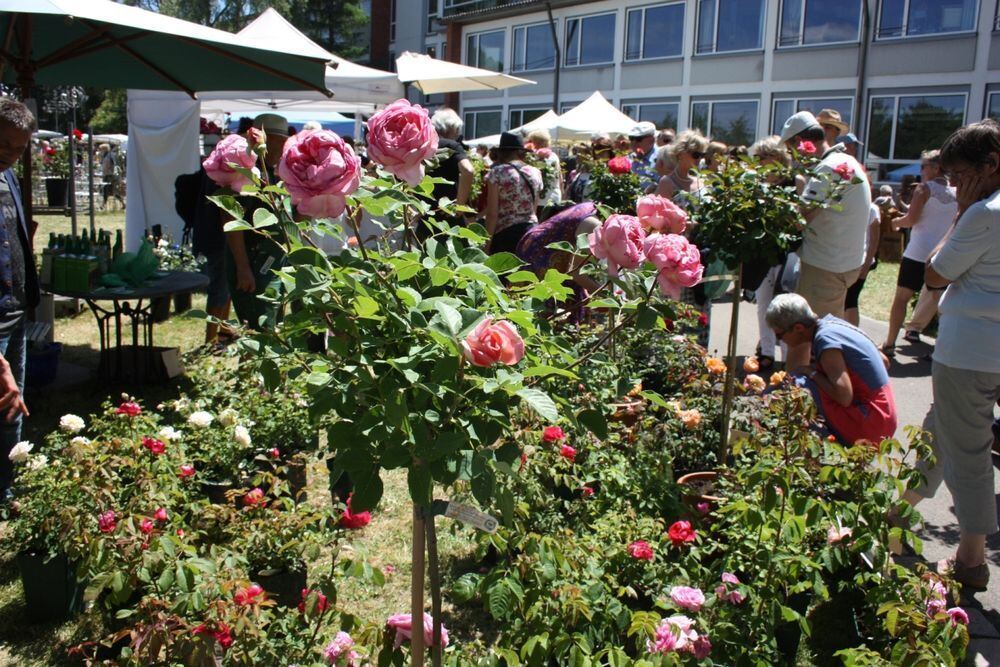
935	606
619	165
678	261
231	151
254	497
659	214
342	648
640	550
703	508
543	153
568	453
619	240
186	470
400	138
680	533
403	625
958	615
161	514
726	592
493	342
700	647
807	147
552	434
687	598
319	171
586	491
146	526
107	521
835	535
673	634
274	452
247	596
844	171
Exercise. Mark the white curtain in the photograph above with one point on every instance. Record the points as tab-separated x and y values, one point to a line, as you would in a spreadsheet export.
163	132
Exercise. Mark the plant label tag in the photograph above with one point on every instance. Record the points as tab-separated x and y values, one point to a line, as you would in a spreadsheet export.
266	266
471	515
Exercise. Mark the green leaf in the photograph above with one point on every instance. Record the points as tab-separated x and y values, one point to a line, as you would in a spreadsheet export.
595	422
366	307
418	478
540	402
450	317
545	371
523	277
465	587
480	273
237	226
264	218
504	261
229	204
367	489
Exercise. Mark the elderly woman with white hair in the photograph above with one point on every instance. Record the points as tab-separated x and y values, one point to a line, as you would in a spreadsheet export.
453	165
686	153
849	380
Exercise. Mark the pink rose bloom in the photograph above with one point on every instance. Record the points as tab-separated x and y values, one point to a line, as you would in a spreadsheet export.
553	434
844	171
620	241
543	153
701	647
673	634
186	470
640	550
400	138
342	648
835	535
146	526
403	625
678	261
687	598
659	214
935	606
319	171
231	151
723	592
567	452
958	615
493	342
703	508
106	522
586	491
807	147
160	514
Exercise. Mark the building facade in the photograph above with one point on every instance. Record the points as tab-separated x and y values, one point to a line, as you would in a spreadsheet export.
902	73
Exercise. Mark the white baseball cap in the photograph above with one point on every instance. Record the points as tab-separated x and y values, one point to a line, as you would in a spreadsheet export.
643	129
797	123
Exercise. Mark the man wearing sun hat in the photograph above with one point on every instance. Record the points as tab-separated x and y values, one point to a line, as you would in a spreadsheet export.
836	226
643	140
832	124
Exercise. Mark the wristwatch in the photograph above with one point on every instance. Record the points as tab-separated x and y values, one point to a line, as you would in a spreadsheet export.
812	373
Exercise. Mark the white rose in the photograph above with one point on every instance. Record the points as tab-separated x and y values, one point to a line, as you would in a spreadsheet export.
79	441
38	461
71	423
228	417
241	435
182	404
201	419
169	434
19	453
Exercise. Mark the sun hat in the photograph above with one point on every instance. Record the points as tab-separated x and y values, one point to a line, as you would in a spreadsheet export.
272	123
643	129
798	123
832	117
511	141
850	138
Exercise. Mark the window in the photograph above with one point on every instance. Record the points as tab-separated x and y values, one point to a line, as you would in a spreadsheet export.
785	108
432	14
901	126
485	50
533	48
590	40
993	106
661	114
729	25
519	117
482	123
655	32
392	21
909	18
819	22
733	123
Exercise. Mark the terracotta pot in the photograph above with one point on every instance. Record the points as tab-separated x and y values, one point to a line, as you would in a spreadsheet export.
699	489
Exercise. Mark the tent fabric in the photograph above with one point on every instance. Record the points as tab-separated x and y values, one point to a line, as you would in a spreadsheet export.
163	144
594	114
356	88
432	76
104	43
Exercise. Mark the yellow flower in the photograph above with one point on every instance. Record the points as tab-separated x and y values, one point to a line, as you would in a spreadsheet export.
715	365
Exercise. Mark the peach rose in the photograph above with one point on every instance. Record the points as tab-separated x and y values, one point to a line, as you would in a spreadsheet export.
755	383
400	138
493	342
659	214
751	365
233	151
777	378
715	365
690	418
319	171
678	261
619	240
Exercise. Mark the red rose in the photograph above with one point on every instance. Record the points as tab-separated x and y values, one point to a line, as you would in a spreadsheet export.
524	460
106	522
703	320
187	470
222	634
146	526
552	434
274	452
160	514
680	533
247	596
254	497
568	452
77	134
321	602
807	147
619	165
844	171
640	550
354	520
586	491
129	409
153	445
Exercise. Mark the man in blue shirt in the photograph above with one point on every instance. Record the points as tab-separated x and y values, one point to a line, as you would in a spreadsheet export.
18	282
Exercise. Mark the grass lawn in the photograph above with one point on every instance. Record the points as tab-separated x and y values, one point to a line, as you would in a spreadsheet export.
876	297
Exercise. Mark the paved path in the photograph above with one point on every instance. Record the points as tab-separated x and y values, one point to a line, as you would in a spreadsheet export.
912	386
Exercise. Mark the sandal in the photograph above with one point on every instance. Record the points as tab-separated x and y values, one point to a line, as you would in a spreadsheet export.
977	577
889	351
912	336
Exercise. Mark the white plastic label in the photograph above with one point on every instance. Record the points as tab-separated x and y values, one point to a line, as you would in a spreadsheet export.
471	515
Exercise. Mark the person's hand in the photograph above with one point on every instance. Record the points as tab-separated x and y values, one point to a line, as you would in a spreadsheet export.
244	280
11	401
970	189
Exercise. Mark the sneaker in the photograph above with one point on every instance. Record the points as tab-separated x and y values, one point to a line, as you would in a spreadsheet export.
912	336
977	577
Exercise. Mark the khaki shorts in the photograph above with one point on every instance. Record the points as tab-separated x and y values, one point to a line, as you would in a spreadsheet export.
825	291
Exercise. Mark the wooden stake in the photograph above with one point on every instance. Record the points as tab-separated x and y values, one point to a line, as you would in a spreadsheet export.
727	400
417	588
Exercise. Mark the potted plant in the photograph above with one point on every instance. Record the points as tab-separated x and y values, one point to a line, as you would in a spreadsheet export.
56	169
219	446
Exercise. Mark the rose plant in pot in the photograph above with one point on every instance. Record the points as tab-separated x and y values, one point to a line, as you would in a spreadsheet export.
219	446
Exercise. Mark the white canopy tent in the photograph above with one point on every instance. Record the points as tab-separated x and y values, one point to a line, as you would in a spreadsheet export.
594	114
432	76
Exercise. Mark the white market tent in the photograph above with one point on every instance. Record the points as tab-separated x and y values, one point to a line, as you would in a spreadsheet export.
432	76
594	114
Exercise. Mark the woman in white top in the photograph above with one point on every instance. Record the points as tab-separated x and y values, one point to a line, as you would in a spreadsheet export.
552	192
932	210
686	152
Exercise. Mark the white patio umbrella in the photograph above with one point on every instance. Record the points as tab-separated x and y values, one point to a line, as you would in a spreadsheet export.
594	114
431	75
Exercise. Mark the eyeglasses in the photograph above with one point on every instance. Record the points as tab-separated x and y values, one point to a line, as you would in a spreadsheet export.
954	174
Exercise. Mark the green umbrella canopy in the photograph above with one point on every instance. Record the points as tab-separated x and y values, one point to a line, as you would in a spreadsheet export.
106	44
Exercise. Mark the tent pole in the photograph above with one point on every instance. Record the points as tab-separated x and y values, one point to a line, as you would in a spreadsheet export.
90	178
72	177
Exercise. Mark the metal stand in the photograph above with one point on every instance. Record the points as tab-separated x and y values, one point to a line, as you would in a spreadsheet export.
140	318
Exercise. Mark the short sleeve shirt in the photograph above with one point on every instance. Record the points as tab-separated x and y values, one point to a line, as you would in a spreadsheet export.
969	327
835	240
518	193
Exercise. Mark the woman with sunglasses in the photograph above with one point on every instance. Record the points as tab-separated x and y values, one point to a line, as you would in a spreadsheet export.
932	210
686	153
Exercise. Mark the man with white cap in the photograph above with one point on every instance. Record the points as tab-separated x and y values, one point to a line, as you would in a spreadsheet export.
836	226
643	140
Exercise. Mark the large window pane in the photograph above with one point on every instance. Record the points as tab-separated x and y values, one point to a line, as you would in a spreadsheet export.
471	52
740	24
664	31
633	35
924	122
517	47
891	18
791	22
572	42
839	104
662	115
598	39
783	109
993	108
831	21
706	26
699	116
927	17
883	109
481	123
734	123
539	50
491	51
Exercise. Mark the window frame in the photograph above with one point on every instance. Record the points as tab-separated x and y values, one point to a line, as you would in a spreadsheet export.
521	109
392	21
891	159
989	96
707	131
639	103
478	37
475	111
877	37
796	98
513	42
715	51
581	18
642	27
802	29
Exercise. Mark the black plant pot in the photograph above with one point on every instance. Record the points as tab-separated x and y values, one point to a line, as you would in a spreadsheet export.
160	308
216	491
51	591
341	484
789	634
57	191
283	586
182	303
294	472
